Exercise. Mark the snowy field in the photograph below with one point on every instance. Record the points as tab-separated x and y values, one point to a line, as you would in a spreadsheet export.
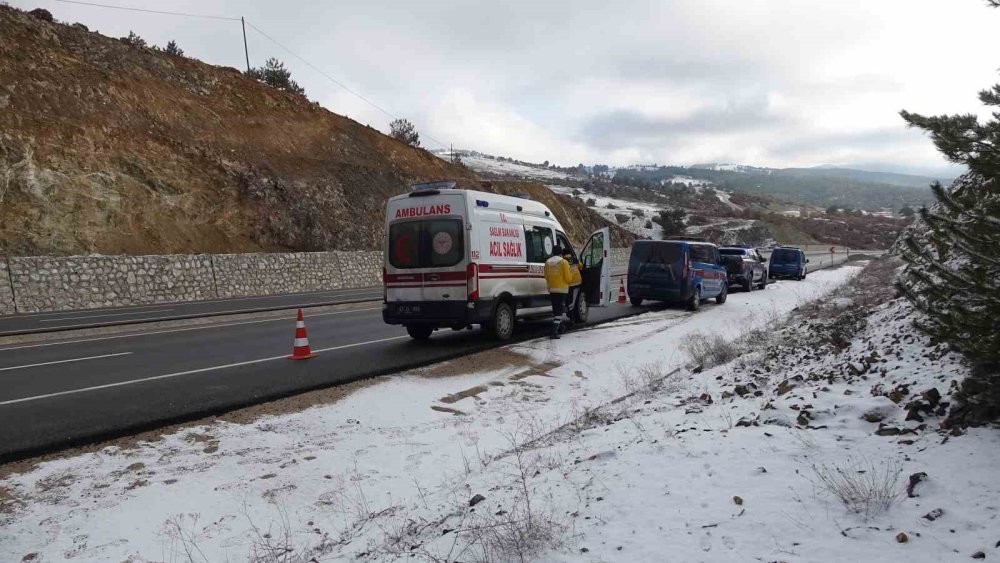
637	224
487	165
634	224
596	447
688	181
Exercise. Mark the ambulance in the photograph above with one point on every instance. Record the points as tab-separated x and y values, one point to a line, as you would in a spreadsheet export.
456	258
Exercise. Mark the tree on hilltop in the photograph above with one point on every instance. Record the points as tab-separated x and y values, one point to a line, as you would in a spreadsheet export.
403	130
275	75
173	49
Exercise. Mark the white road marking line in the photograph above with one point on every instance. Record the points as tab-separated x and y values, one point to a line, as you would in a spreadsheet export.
189	372
105	315
178	317
205	327
66	361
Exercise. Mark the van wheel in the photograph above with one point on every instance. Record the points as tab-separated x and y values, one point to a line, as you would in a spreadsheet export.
748	283
502	323
636	301
695	301
419	332
763	281
721	297
581	309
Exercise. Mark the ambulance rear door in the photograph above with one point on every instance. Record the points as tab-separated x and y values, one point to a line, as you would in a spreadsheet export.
596	258
427	248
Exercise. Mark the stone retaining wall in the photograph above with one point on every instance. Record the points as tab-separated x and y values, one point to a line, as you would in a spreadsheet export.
245	275
6	297
50	283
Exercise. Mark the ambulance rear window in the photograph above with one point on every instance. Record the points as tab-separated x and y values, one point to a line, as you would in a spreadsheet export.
432	243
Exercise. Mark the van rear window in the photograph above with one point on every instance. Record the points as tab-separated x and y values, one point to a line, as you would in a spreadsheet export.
784	255
434	243
656	253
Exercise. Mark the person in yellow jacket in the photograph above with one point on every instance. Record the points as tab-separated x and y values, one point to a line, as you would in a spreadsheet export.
558	276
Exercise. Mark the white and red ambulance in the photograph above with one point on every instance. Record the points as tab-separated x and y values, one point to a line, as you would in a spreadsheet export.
455	258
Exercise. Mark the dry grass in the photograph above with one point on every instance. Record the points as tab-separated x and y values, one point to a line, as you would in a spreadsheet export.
864	487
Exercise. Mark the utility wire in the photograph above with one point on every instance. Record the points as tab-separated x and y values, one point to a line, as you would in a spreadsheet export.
332	79
265	35
148	11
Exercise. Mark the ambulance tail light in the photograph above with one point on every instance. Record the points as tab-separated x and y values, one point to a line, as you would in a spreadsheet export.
385	285
472	275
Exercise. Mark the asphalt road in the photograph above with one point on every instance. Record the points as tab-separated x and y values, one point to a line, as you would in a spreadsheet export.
60	393
89	318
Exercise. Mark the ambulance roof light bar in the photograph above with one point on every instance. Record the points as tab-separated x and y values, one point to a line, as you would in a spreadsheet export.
438	185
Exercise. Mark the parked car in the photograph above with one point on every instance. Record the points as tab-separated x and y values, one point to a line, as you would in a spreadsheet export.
676	271
745	267
454	258
788	262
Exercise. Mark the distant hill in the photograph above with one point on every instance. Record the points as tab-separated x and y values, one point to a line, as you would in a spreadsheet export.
890	178
822	187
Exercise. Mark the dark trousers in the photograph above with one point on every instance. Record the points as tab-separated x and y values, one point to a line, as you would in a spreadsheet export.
558	308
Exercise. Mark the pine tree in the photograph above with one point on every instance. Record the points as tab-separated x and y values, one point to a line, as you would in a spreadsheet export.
275	75
671	221
952	255
403	130
173	49
134	40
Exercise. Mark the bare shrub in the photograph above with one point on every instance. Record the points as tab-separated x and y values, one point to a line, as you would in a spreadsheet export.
518	532
710	350
181	536
865	487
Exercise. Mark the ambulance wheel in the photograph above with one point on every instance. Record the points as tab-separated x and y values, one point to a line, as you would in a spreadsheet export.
581	310
695	301
419	332
502	323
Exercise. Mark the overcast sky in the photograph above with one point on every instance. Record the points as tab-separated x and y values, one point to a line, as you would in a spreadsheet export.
764	82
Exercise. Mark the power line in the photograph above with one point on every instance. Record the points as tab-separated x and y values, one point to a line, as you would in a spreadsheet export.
265	35
332	79
162	12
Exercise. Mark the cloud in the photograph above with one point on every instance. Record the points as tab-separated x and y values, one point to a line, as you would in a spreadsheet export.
767	82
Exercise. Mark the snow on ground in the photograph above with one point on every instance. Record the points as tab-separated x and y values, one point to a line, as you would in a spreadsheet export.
567	469
726	197
485	164
687	180
634	224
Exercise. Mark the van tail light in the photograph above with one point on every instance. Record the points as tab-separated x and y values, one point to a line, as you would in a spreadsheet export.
472	275
687	267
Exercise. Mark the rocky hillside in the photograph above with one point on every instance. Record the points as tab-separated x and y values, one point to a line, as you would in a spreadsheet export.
110	148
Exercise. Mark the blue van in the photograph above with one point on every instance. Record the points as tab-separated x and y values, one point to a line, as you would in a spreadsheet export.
788	262
676	271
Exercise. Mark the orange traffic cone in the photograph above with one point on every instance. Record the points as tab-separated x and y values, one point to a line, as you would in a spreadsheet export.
300	347
621	292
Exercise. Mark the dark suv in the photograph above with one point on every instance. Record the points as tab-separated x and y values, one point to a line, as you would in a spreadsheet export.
744	267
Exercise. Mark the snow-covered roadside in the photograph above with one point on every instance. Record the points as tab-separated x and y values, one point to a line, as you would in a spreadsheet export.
390	467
